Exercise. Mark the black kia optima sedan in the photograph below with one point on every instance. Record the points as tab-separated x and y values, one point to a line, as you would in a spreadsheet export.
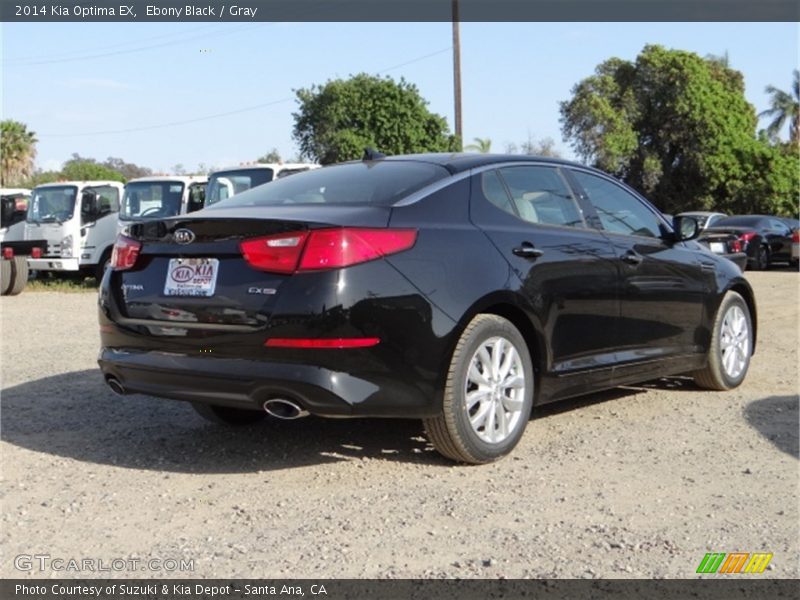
458	289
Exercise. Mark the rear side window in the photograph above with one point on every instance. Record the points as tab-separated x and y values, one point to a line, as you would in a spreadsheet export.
537	195
619	210
379	183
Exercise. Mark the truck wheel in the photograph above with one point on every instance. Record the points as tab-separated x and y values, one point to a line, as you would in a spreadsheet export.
226	415
100	269
19	278
5	284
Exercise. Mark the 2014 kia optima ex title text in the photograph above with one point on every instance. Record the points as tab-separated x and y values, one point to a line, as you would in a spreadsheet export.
458	289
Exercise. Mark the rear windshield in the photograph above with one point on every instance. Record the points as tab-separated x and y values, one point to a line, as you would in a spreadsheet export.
366	183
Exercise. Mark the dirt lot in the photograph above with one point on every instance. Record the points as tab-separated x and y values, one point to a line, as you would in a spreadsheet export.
639	482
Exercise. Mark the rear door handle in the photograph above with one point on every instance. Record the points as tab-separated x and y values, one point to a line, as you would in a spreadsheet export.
632	258
527	250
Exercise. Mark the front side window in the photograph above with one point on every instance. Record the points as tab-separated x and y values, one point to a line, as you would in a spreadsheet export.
151	200
619	210
52	204
535	194
224	184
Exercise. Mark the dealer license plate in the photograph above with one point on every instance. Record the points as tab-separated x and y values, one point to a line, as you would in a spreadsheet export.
191	277
717	247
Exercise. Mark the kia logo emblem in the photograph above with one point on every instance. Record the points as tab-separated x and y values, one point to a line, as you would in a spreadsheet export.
183	236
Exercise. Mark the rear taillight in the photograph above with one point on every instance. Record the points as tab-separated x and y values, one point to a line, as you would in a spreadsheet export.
736	246
125	253
276	253
324	248
796	236
748	236
36	252
8	253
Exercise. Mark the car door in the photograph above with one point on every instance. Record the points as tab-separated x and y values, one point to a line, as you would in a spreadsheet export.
565	270
779	238
98	231
662	282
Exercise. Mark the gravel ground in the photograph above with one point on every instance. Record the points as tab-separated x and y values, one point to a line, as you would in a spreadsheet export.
638	482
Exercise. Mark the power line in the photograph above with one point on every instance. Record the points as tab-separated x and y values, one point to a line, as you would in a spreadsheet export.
133	50
171	124
26	60
223	114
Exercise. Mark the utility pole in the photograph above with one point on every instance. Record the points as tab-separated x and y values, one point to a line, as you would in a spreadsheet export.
457	74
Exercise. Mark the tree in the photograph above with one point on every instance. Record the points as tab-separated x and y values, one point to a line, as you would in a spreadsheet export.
678	128
534	147
79	168
273	156
482	145
785	107
127	170
17	151
337	120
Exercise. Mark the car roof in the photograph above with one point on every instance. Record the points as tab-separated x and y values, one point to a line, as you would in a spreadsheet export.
701	213
464	161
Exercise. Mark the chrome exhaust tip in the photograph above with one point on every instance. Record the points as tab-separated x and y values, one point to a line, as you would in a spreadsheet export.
115	385
287	410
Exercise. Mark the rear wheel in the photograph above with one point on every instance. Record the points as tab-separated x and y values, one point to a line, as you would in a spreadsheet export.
762	259
226	415
731	346
488	395
5	280
19	278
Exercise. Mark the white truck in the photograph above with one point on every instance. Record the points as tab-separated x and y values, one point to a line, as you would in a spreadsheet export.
13	261
75	224
160	196
234	180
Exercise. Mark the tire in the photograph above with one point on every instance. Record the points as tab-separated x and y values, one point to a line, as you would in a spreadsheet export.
101	267
452	433
19	278
731	346
5	273
762	259
226	415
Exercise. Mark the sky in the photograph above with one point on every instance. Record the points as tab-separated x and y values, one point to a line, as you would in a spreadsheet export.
217	94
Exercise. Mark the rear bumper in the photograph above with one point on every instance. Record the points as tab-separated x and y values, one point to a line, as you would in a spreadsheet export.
247	383
53	264
738	258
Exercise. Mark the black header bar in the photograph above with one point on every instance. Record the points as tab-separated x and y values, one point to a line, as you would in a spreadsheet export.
397	10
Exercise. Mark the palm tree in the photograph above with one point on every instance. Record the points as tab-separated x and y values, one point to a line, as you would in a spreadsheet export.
483	145
785	107
17	151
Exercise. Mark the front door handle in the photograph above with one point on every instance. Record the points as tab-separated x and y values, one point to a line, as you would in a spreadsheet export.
527	250
632	258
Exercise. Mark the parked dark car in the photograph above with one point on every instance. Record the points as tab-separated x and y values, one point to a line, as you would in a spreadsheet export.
726	244
704	218
763	238
458	289
794	226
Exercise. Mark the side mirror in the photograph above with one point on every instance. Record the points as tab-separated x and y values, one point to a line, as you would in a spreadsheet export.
685	228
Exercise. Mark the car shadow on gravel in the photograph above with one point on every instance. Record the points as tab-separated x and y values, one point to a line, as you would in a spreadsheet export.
74	415
775	418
